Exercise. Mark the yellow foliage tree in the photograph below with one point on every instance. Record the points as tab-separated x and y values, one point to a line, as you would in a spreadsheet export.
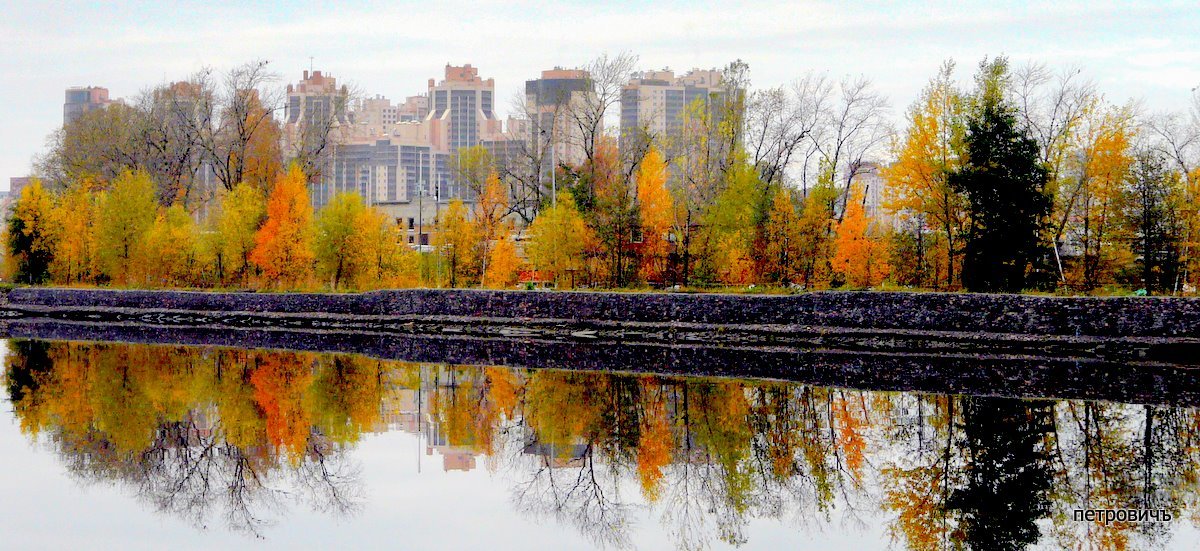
31	235
1104	166
76	259
168	255
917	183
283	246
861	254
340	256
558	239
655	210
126	212
456	241
240	214
815	227
387	262
730	228
783	240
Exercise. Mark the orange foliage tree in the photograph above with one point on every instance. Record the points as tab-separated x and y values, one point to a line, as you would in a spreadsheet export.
655	210
861	255
489	214
503	265
283	246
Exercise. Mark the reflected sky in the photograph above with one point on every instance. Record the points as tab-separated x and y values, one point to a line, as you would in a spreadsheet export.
129	446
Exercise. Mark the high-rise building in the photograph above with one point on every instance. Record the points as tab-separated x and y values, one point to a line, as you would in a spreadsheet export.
654	102
461	109
315	98
316	106
81	99
398	157
17	184
868	176
550	102
376	116
413	109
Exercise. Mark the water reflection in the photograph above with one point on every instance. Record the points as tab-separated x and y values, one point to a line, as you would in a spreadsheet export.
242	436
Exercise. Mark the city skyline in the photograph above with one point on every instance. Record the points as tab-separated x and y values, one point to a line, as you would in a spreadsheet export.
1143	52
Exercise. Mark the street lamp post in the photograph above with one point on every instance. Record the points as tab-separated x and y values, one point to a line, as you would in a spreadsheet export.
553	176
420	211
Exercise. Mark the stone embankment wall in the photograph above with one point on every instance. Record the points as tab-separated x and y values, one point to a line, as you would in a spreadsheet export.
1138	350
1116	317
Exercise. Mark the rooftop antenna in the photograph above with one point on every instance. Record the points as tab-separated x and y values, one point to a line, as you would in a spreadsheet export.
310	65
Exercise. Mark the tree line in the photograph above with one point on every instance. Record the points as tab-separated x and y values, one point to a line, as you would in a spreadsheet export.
1029	179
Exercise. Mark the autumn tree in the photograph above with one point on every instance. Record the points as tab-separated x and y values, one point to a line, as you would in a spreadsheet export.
783	241
386	260
261	160
126	212
1102	169
1004	183
168	256
861	254
604	196
232	239
733	225
456	241
30	236
76	258
918	183
339	255
814	231
283	245
655	212
558	239
489	217
503	265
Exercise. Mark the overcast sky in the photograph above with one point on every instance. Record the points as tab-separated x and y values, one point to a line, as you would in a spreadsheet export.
1148	51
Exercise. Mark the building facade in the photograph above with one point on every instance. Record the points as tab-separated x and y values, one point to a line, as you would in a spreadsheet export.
653	103
81	99
461	109
550	102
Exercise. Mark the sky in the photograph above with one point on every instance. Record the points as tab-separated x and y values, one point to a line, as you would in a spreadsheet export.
1143	51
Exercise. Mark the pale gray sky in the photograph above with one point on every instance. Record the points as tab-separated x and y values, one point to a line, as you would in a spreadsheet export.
1140	50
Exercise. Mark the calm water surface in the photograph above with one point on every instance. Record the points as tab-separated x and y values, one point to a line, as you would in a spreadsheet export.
134	446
